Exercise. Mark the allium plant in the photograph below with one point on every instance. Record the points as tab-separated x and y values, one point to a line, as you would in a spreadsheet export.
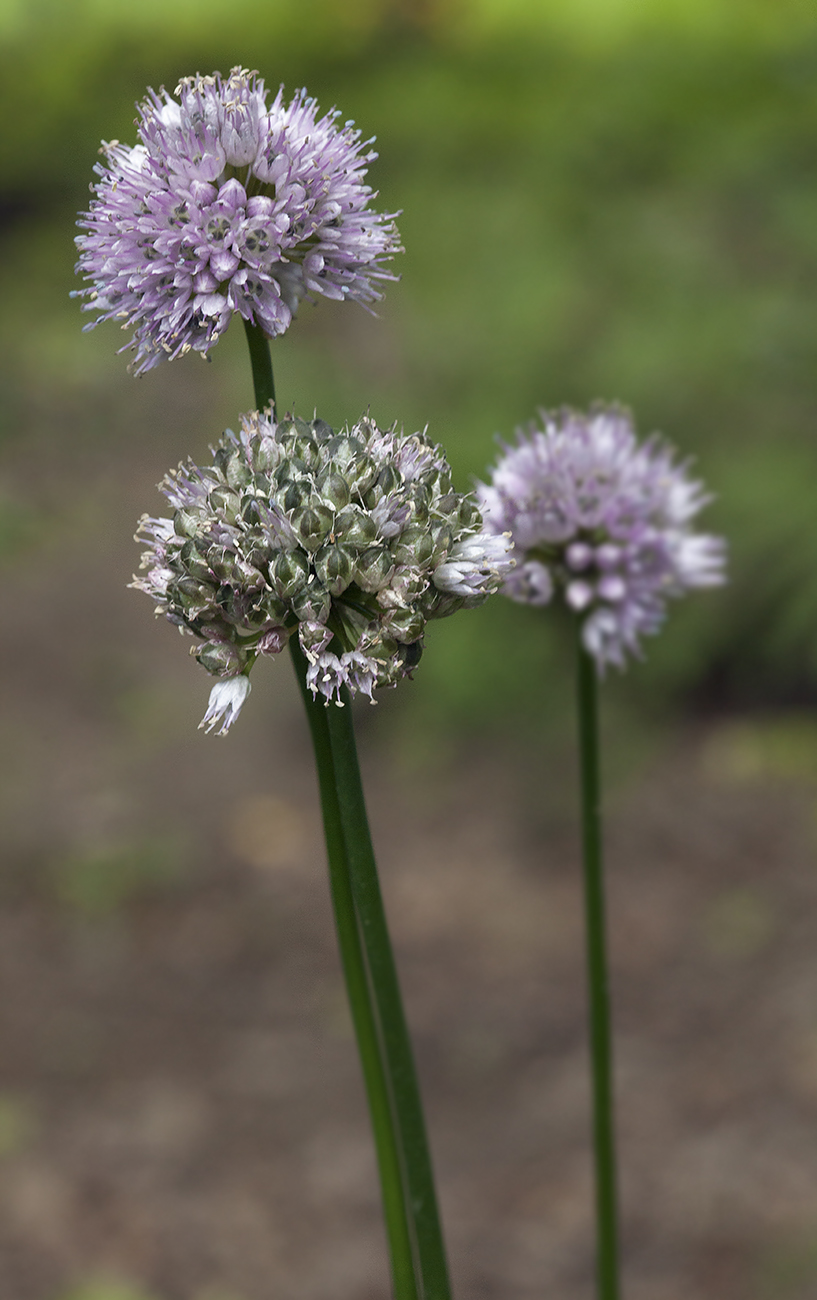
228	204
353	540
339	545
603	523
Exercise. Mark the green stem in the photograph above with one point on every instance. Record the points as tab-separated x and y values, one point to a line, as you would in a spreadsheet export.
357	987
261	362
353	961
383	972
600	1034
387	1146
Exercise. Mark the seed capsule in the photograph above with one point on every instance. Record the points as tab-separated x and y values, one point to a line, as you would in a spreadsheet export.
335	567
374	568
355	527
220	658
313	524
288	573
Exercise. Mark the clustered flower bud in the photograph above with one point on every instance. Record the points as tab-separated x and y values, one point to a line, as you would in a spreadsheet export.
228	205
602	521
354	540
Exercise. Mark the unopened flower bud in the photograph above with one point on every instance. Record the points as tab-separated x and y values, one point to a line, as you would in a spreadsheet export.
288	573
237	472
272	641
374	568
188	523
608	555
442	536
303	450
243	574
219	658
361	473
404	624
267	456
407	583
192	596
312	603
274	608
313	524
579	555
296	488
612	587
334	488
355	526
409	656
388	479
335	567
225	502
250	511
195	563
415	545
343	451
419	498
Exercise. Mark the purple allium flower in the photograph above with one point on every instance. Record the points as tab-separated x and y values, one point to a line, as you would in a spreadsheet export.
603	520
228	205
353	541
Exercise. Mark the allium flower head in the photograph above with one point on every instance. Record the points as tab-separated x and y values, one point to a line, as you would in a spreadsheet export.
351	540
228	204
602	520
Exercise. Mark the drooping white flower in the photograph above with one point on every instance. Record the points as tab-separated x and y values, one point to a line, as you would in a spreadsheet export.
226	700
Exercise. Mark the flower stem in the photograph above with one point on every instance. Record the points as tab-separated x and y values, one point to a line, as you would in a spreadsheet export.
261	362
383	972
600	1034
357	987
364	1018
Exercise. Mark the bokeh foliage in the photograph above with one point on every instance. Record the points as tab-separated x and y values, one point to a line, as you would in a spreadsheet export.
601	200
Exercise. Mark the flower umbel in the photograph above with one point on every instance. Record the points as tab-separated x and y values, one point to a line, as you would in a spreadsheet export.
603	520
228	204
354	540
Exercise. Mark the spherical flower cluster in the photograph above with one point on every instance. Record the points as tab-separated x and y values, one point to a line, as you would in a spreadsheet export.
602	520
354	539
228	205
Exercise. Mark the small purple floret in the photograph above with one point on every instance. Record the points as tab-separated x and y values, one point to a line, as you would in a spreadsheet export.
228	204
603	520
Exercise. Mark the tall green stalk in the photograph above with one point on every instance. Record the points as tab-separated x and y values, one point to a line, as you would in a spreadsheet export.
383	971
400	1225
357	987
261	362
600	1033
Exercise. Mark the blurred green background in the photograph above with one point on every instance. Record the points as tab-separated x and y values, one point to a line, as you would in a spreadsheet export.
601	199
607	199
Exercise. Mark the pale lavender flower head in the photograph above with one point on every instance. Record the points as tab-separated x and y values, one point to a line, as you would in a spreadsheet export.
603	521
228	204
352	541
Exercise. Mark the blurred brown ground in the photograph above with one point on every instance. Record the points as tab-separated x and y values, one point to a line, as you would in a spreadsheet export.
180	1100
